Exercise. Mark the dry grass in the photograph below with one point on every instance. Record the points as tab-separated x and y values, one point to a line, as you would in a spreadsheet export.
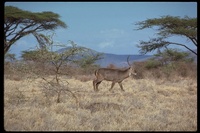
146	105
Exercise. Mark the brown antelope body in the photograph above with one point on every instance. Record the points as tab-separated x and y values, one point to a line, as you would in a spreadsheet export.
114	75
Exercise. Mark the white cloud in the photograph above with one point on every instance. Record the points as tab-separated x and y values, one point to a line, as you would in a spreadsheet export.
112	33
106	44
109	37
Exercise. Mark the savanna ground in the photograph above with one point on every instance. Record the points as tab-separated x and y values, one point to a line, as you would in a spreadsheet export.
148	104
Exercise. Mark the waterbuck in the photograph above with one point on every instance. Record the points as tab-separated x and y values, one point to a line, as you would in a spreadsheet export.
114	75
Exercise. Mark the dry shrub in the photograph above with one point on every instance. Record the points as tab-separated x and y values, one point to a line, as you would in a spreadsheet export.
15	71
21	70
7	68
82	74
84	78
69	70
140	68
153	74
186	69
171	71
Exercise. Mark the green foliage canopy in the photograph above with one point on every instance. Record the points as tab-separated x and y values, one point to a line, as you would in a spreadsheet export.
10	57
170	61
19	23
168	26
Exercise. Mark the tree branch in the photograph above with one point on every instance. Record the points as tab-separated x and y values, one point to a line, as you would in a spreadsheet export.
193	40
183	46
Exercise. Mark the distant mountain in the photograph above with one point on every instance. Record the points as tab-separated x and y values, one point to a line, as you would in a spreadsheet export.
68	48
120	60
115	59
107	58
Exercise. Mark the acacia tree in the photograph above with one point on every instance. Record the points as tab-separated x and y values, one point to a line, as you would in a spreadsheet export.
10	57
46	55
19	23
168	26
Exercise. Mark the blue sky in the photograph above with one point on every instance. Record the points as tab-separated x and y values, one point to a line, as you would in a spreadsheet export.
104	26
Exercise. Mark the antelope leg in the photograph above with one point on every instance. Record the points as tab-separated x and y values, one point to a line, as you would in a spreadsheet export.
113	83
120	84
97	85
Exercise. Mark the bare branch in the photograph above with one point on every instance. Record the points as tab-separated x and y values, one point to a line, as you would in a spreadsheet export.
184	46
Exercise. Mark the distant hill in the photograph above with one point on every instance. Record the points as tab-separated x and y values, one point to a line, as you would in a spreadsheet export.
117	60
120	60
